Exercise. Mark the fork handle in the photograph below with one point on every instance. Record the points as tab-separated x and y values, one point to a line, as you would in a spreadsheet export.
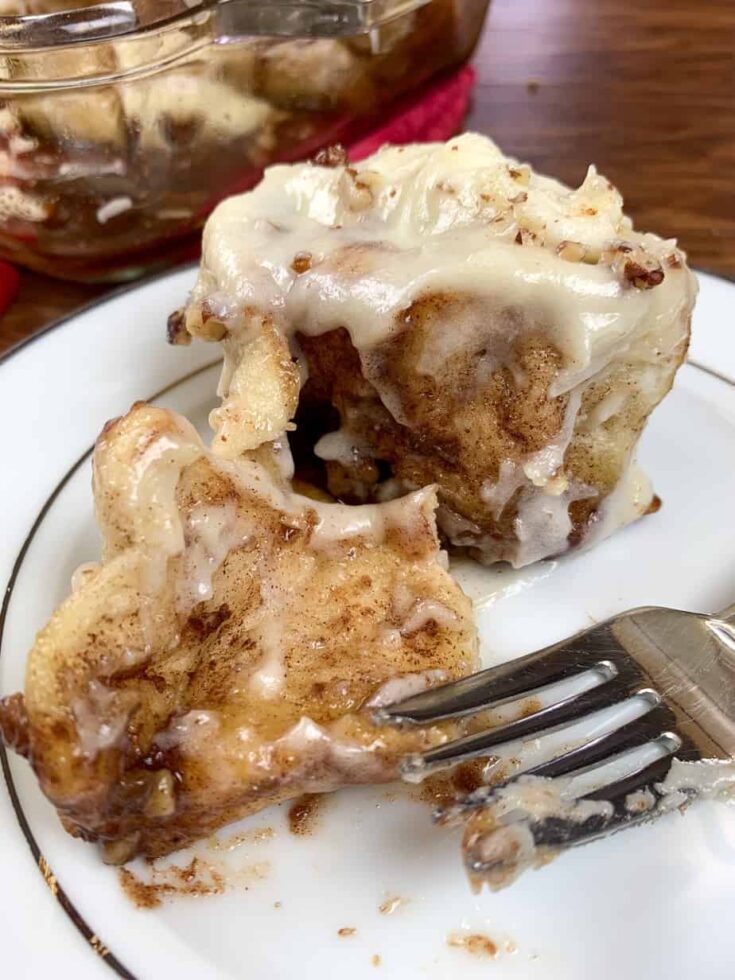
727	614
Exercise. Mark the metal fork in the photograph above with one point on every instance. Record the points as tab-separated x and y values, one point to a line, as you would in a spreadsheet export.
619	713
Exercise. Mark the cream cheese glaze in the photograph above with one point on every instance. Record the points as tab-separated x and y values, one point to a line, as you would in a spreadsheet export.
313	249
136	476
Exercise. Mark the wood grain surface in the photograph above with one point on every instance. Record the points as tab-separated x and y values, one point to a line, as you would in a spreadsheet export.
645	90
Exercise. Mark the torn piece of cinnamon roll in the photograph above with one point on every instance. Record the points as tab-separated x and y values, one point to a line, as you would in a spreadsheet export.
218	658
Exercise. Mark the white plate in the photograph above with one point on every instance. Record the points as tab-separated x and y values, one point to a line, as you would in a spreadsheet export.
652	902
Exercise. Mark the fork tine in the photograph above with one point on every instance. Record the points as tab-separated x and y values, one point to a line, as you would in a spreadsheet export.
641	776
662	746
490	688
631	735
587	756
547	720
501	852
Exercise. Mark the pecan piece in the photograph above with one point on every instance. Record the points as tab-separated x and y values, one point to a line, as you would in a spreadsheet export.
301	262
632	264
176	332
332	156
571	251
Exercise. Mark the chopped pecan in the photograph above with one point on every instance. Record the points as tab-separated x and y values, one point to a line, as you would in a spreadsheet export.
176	331
212	327
526	237
641	276
633	264
571	251
520	174
332	156
614	247
301	262
357	193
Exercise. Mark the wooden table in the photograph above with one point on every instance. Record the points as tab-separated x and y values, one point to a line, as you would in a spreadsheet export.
645	90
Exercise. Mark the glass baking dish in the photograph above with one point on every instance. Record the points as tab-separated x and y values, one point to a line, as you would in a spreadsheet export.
123	123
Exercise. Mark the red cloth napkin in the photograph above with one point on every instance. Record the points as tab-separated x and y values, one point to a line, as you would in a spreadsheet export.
435	114
9	282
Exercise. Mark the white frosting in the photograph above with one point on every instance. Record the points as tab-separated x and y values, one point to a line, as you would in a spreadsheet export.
327	756
212	532
628	501
426	218
339	522
425	611
707	779
322	757
460	219
542	525
112	208
189	730
268	680
641	801
339	446
100	718
406	686
83	573
539	798
135	482
541	466
137	479
500	853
